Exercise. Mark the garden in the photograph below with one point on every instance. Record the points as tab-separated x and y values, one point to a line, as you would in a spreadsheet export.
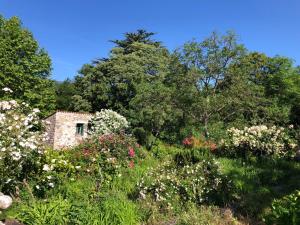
206	134
249	177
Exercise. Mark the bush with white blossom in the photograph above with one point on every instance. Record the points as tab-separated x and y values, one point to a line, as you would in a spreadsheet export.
54	170
261	140
199	183
20	143
107	122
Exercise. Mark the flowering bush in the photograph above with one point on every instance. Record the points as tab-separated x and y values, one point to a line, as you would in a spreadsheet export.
260	140
194	142
191	182
20	143
107	154
107	122
54	168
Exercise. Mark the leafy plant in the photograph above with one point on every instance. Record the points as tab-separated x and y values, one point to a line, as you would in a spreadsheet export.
285	210
52	212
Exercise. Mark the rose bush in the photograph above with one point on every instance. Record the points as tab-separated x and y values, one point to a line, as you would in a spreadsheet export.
106	155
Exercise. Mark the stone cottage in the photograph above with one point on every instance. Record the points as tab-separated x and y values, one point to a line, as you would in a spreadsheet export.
66	129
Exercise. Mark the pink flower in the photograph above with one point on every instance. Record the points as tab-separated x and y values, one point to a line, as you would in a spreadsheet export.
131	152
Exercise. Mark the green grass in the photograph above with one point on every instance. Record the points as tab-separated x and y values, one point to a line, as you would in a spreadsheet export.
258	182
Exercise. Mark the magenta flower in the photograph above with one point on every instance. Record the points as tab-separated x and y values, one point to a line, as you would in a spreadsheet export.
131	152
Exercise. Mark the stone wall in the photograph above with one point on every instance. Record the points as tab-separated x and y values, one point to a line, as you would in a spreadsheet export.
50	129
62	128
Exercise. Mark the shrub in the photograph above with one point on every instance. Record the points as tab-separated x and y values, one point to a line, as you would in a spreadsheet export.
193	182
285	210
107	122
199	143
20	144
105	155
260	140
55	168
191	156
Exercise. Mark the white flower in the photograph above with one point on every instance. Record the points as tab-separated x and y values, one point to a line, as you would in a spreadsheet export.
51	184
36	110
46	167
16	156
107	121
6	89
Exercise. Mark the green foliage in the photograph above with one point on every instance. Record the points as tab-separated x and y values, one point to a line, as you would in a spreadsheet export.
191	156
24	66
197	86
54	170
212	88
65	92
54	211
285	210
119	210
256	183
113	209
198	181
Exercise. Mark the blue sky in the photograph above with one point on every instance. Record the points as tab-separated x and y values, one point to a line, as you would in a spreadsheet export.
75	32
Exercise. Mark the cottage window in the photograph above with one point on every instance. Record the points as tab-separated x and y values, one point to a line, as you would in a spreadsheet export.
79	129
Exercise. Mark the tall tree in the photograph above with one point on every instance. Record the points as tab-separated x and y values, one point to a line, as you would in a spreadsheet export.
273	87
139	36
112	82
206	82
24	66
64	92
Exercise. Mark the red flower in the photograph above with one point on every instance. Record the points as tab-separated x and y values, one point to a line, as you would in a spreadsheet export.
131	152
188	141
131	164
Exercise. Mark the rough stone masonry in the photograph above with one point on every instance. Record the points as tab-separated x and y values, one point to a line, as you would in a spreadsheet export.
66	129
